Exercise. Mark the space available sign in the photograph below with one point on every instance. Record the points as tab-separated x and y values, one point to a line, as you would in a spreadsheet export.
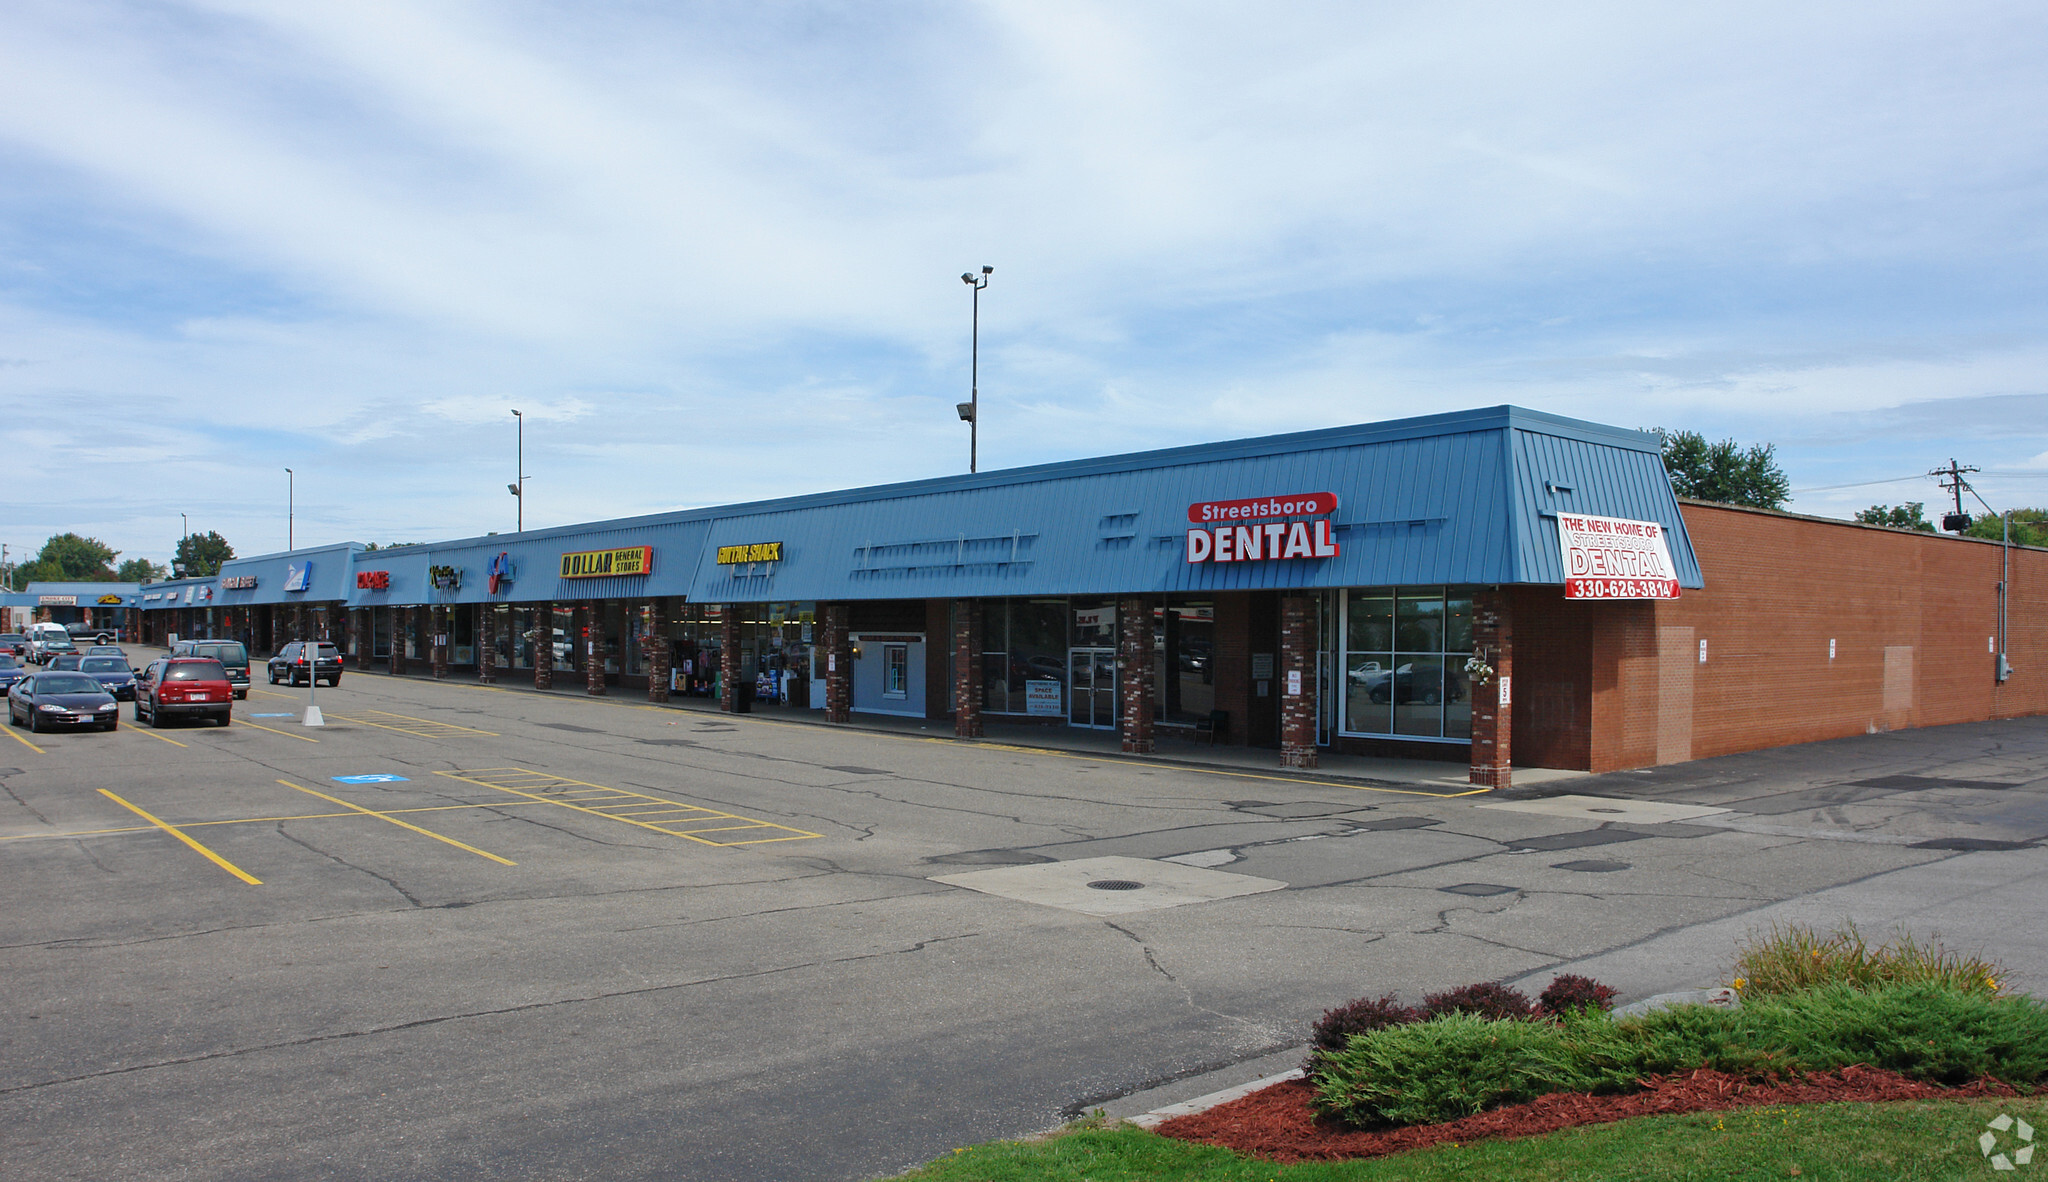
1615	558
1267	534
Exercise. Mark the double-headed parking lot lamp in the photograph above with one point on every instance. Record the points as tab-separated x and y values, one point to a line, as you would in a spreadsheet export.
971	409
519	490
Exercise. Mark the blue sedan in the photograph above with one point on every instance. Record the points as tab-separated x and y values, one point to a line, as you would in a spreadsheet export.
111	672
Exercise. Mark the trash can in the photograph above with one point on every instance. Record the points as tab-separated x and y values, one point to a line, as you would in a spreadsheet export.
742	696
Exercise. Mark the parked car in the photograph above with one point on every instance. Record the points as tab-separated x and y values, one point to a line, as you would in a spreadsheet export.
231	654
301	661
45	648
112	672
60	699
107	650
183	687
68	662
11	670
13	644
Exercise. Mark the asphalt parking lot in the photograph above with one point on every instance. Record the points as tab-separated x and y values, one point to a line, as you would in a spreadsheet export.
464	932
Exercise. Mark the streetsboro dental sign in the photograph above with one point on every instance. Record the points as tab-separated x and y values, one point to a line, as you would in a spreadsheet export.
1270	539
1263	508
1615	558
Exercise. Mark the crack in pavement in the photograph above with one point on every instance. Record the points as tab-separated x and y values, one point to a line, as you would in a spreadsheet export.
420	1023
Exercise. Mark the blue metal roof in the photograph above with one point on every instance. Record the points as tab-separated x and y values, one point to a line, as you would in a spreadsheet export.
1469	497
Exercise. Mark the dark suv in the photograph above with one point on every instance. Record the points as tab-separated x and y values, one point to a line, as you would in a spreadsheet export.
185	686
301	661
230	653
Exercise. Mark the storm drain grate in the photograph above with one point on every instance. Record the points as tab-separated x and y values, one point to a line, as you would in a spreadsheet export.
1115	884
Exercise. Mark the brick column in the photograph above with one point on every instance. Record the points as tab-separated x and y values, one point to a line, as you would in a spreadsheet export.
838	665
1134	675
657	654
397	640
1493	641
544	646
487	643
592	641
437	628
967	687
728	657
1297	681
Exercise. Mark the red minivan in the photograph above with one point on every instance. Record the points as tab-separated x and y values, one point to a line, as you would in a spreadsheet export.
186	686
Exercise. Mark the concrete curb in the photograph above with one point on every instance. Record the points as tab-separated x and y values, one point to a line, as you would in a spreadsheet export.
1159	1116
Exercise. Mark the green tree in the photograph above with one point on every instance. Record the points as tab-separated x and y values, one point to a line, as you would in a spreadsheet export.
1911	515
2029	527
141	570
201	554
68	558
1724	471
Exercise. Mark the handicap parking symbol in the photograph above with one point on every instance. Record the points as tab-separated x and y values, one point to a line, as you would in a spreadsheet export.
372	778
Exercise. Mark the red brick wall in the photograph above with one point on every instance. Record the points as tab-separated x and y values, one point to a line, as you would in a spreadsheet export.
1910	615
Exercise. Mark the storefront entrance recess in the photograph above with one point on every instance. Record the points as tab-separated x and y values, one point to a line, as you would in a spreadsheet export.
1092	688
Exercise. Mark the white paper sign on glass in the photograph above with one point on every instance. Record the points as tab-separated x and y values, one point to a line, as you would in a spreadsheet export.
1615	558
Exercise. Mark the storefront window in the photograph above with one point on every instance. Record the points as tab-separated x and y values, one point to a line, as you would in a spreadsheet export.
1024	656
1404	662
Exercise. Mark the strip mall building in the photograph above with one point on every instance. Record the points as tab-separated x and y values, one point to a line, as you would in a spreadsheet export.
1498	586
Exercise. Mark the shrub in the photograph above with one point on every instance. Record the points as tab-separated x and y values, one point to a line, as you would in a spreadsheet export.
1571	993
1791	958
1485	1000
1333	1031
1460	1064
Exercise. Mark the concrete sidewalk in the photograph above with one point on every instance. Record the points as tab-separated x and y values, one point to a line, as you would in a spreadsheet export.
1435	776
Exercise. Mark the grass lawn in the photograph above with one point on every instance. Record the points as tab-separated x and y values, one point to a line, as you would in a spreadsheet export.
1852	1142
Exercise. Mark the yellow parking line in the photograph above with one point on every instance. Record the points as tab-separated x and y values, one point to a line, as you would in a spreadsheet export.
523	774
401	824
137	728
431	722
180	834
436	808
273	730
22	741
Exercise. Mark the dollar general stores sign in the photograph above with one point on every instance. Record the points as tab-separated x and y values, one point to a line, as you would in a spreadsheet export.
752	552
597	564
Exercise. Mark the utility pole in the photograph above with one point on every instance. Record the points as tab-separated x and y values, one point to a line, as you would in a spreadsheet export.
1957	521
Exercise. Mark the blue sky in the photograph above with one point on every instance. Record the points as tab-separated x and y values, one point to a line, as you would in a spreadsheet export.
712	250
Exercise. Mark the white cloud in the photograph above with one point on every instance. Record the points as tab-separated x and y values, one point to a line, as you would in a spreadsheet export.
718	244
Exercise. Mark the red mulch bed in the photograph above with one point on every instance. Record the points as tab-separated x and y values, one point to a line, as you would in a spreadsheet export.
1277	1124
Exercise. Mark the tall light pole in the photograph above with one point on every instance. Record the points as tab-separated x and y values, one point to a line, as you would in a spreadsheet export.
291	494
971	409
519	489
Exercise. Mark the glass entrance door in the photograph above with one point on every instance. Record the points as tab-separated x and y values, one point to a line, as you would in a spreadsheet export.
1091	687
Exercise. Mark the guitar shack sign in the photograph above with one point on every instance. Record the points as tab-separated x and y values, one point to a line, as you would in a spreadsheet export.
1615	558
598	564
1263	529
